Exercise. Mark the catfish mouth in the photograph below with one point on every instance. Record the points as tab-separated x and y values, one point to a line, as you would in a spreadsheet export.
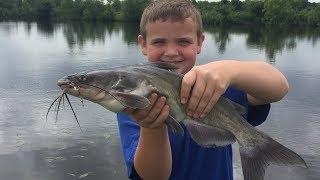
81	90
64	83
78	89
73	88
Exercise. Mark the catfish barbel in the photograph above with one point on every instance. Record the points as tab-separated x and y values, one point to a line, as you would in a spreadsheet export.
129	86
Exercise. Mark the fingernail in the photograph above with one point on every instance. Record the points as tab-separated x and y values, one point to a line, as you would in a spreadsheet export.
183	100
189	113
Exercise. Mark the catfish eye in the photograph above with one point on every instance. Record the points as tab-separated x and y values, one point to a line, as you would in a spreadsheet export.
82	77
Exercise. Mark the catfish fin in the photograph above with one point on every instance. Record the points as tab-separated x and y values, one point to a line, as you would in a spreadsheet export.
174	125
208	136
255	159
238	107
131	100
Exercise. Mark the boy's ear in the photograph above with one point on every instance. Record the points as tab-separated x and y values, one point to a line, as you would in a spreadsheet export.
200	41
143	44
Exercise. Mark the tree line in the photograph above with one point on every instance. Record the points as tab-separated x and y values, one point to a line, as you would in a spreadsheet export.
264	12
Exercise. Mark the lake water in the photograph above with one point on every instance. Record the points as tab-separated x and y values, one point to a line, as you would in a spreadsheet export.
33	56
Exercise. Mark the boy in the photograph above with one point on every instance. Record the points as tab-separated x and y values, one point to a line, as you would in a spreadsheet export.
171	31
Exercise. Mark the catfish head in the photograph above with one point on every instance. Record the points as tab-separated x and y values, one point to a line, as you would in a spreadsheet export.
113	89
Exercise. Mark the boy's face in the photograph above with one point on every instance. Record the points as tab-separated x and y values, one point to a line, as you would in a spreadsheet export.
172	42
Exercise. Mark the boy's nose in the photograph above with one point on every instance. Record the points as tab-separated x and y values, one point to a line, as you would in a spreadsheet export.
171	51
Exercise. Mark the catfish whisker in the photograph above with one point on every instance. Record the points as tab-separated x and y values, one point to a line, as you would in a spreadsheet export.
56	106
59	102
51	107
72	110
81	100
64	107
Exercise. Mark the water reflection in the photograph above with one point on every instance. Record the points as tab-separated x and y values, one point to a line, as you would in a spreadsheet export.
33	56
221	36
272	40
27	28
96	159
78	33
46	28
130	32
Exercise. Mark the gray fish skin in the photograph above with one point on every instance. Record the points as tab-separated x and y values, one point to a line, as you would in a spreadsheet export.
128	86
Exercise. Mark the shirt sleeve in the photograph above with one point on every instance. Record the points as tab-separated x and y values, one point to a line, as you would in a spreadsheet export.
129	135
258	114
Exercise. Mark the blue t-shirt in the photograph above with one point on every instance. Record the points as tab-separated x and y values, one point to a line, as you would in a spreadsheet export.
189	160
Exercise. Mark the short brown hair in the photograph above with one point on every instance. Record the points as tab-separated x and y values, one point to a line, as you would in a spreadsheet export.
175	10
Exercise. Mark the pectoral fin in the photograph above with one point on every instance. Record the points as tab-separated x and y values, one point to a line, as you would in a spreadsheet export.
208	136
238	107
174	125
131	100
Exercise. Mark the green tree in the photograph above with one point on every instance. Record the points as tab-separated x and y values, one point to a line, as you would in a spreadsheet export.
279	12
237	5
270	12
115	4
132	9
255	10
44	10
8	9
313	16
26	11
94	10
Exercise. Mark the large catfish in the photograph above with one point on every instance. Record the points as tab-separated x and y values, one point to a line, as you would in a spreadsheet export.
128	86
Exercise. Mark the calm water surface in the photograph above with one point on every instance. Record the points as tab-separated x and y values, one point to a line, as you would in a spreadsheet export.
33	56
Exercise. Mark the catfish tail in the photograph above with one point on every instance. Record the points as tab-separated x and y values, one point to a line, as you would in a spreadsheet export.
255	159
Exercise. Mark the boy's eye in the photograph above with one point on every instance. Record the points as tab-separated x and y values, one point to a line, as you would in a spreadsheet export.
158	43
184	42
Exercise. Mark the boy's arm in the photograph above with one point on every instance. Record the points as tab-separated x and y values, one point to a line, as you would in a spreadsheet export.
263	83
152	159
206	83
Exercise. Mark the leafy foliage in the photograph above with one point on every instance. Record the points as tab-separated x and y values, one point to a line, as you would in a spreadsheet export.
270	12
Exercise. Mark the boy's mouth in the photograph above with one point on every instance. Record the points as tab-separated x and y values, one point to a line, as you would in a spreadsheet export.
171	60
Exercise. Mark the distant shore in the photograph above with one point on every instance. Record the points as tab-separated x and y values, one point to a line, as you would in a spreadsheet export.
266	12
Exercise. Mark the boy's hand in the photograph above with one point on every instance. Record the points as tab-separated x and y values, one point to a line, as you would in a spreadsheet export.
154	115
203	85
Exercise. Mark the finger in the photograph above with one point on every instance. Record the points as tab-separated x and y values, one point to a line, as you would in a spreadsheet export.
214	99
162	117
187	82
156	109
142	113
205	99
197	93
